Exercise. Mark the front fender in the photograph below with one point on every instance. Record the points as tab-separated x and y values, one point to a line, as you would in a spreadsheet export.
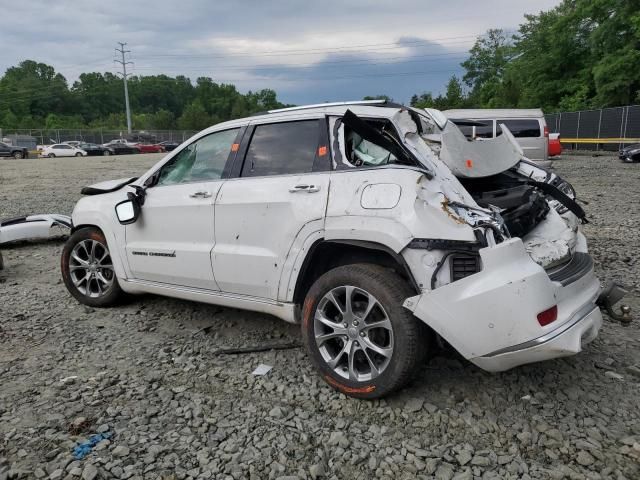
99	211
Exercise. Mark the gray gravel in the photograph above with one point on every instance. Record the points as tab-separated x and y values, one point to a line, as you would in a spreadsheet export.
176	410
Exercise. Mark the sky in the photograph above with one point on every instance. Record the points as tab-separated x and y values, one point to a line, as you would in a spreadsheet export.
309	52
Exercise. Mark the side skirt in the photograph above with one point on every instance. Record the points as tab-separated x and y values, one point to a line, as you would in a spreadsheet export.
284	311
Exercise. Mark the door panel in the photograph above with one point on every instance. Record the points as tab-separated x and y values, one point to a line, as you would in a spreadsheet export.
172	240
256	221
283	186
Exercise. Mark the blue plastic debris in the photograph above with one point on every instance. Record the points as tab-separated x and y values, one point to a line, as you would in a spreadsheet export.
83	449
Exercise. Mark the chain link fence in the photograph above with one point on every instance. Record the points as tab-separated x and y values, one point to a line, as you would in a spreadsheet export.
604	129
47	137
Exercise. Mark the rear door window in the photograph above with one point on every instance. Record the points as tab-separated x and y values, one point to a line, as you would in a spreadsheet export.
529	127
282	149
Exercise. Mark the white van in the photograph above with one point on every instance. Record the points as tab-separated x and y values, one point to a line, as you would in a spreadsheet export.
528	126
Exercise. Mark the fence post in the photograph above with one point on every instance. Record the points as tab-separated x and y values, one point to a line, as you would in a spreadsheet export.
599	125
578	131
626	124
621	126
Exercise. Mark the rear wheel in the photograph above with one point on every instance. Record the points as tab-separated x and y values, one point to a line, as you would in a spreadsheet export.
359	336
18	155
106	153
87	269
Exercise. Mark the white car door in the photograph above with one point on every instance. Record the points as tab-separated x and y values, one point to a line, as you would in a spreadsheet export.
172	240
278	197
62	150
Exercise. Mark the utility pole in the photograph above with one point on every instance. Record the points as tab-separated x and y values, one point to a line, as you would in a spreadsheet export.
124	64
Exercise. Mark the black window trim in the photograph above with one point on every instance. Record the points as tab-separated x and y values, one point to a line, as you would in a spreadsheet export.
320	164
225	171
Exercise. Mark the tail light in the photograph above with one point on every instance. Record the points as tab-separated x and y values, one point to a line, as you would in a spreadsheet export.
546	131
548	316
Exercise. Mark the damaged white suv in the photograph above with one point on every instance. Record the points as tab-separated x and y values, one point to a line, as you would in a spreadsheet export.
377	227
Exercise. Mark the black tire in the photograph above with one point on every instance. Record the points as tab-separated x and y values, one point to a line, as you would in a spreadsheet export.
408	338
52	155
111	295
78	154
106	153
18	155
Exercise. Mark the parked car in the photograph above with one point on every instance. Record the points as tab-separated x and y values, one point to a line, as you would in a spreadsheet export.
630	153
555	147
150	148
61	150
13	151
378	228
73	143
169	146
122	147
528	126
93	150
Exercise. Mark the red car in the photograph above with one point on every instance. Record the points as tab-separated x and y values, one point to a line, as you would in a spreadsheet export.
555	147
150	148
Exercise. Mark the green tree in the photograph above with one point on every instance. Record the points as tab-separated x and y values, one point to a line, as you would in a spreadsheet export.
486	65
194	117
454	97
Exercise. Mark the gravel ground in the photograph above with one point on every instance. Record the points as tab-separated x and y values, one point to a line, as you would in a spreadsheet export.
145	375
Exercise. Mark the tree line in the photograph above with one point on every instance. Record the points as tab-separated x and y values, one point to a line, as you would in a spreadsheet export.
33	95
582	54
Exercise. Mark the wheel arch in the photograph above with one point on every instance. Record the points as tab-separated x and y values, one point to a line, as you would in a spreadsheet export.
113	242
325	255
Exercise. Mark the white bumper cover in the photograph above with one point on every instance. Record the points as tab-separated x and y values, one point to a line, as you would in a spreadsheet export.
491	317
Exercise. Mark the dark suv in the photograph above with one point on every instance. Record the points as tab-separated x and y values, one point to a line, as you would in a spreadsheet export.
13	151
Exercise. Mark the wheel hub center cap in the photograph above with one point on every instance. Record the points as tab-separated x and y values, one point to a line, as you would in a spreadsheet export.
353	333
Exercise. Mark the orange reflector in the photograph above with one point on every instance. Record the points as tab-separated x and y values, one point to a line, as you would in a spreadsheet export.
469	163
322	151
235	147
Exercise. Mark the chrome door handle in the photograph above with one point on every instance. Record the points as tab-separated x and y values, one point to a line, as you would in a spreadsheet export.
305	188
200	195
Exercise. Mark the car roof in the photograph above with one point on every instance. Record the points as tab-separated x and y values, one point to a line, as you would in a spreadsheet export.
494	113
378	108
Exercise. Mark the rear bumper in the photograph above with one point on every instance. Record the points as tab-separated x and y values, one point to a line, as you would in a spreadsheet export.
491	317
566	340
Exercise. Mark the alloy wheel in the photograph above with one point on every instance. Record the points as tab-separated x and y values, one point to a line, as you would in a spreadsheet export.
353	333
91	268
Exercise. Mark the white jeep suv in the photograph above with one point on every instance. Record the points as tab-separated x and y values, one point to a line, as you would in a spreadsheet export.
379	228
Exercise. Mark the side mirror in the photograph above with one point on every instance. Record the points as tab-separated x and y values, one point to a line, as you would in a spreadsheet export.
128	211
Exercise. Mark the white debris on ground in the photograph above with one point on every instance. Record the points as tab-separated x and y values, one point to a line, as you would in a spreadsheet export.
160	404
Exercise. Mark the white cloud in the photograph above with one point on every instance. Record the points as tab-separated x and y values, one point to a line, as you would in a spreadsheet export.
318	50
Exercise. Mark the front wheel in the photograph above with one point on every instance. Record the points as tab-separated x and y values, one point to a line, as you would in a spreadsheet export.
106	153
18	155
78	154
357	333
87	269
52	155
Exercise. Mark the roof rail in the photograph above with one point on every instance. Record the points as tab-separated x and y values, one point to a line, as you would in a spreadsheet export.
332	104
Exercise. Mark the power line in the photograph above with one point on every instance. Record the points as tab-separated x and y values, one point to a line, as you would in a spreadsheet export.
382	46
124	64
